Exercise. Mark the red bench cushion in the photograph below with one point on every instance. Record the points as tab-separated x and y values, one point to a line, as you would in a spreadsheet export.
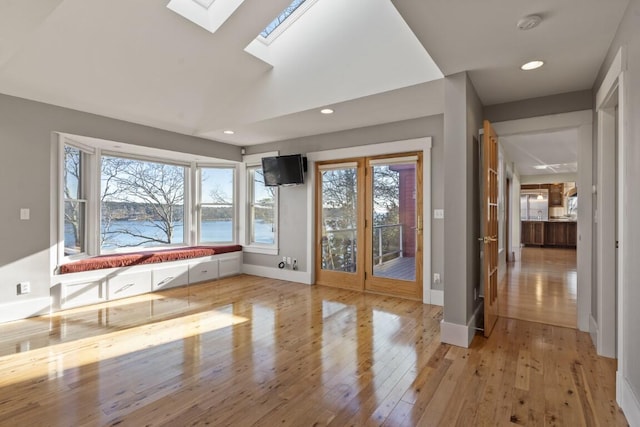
146	257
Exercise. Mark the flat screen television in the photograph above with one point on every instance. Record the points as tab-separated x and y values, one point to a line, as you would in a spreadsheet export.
283	170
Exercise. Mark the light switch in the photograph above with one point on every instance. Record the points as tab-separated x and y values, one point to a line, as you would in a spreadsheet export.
25	213
438	213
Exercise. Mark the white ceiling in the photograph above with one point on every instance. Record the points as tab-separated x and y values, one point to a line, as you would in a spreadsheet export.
141	62
556	151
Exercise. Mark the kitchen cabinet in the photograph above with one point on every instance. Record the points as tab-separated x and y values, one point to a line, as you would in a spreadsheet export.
532	233
555	234
549	233
572	234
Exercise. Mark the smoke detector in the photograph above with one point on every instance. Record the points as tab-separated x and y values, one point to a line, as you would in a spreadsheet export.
529	22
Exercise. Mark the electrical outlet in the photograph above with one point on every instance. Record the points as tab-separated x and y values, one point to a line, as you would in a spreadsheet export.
284	259
24	288
436	278
288	260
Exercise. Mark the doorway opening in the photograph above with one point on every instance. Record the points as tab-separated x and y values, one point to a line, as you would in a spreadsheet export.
541	282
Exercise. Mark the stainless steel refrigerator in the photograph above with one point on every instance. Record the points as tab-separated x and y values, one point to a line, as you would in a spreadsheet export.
534	205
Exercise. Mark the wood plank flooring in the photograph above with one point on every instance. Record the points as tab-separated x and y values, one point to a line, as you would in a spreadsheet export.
253	351
541	287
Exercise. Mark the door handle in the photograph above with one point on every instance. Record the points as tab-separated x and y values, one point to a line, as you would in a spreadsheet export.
487	239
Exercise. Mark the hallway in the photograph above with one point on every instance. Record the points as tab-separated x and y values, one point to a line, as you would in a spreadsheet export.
541	287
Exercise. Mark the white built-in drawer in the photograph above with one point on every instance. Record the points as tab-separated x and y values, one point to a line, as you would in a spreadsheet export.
84	293
230	264
203	271
170	276
128	284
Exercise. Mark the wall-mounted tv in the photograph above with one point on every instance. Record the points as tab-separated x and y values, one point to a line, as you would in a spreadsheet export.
284	170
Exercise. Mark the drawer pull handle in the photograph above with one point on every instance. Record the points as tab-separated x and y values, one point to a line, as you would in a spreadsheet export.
165	281
204	271
125	287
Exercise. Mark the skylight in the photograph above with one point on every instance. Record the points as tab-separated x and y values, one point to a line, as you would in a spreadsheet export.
281	18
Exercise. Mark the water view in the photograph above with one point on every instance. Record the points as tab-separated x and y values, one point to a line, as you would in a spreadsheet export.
212	231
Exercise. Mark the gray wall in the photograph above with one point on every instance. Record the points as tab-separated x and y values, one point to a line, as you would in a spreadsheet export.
535	107
293	202
629	35
26	138
462	120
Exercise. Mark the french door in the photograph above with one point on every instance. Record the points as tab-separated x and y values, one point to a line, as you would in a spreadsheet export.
369	224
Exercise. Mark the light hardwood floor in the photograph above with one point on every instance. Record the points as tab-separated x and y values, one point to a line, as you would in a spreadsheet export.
541	287
253	351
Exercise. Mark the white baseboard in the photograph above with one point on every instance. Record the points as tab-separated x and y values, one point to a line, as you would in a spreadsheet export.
627	400
437	297
460	335
23	309
452	333
277	273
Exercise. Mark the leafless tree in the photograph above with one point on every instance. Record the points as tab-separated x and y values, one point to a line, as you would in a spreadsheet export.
157	186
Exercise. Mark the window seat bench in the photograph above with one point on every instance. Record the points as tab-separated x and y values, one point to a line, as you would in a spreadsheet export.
108	277
144	257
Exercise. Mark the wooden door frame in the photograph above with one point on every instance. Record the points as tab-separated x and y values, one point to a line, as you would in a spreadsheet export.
385	285
423	144
363	279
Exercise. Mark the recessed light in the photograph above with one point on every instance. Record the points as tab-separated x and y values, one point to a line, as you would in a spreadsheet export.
228	132
326	111
532	65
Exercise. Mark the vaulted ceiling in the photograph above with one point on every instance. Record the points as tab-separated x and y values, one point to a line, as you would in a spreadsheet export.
372	61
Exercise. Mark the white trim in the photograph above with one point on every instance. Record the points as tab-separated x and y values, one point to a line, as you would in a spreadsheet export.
277	273
23	309
609	82
627	400
454	334
621	291
611	281
437	297
423	144
460	335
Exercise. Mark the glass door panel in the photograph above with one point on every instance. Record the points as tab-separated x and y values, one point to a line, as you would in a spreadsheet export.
394	221
339	219
340	208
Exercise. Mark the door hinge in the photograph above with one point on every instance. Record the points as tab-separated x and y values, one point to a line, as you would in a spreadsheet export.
365	275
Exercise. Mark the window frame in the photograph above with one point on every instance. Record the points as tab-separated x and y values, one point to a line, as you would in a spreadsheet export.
93	151
85	197
187	205
250	164
199	203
